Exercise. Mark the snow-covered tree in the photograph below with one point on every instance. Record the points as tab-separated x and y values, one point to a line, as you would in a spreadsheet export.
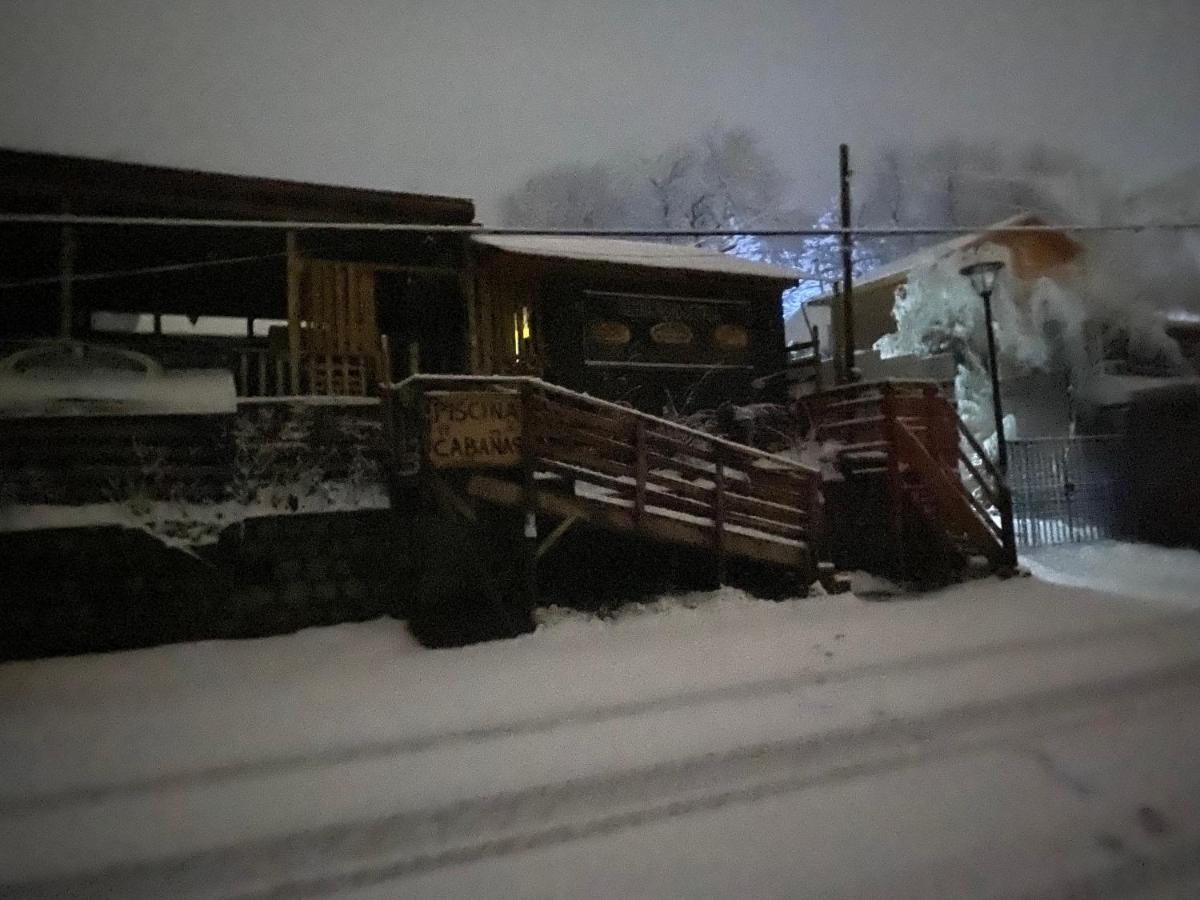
722	179
956	184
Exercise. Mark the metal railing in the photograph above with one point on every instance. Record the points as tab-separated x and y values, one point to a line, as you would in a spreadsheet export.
1066	490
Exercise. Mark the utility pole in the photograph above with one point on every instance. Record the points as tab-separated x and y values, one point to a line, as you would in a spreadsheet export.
847	292
66	274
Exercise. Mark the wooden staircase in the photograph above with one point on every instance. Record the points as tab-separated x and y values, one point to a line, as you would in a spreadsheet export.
905	441
588	460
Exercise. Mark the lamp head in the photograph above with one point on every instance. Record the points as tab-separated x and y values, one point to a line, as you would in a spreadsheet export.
983	276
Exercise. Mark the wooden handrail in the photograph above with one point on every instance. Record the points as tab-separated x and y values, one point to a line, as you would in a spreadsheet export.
885	383
622	450
515	381
953	501
979	451
910	419
989	490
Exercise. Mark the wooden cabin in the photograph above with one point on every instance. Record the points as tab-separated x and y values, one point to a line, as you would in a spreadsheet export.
306	311
656	325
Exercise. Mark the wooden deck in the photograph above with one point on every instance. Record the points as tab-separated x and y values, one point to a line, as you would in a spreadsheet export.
591	461
908	434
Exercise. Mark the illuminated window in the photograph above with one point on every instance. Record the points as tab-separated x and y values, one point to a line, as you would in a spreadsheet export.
671	333
609	334
522	330
731	337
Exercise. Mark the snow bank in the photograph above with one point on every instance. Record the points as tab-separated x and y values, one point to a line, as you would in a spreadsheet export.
1164	574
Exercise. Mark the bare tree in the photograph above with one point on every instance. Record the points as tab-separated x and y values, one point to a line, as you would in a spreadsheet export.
962	185
721	179
568	196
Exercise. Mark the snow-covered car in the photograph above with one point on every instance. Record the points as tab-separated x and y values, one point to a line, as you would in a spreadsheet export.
71	378
1102	398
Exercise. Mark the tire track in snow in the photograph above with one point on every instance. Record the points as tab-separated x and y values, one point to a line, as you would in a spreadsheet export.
383	749
357	855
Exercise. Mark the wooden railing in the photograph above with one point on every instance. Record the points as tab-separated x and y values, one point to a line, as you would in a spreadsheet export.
260	372
656	467
855	416
918	431
656	463
804	360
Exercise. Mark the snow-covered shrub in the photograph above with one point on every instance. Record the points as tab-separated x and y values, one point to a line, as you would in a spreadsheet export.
363	470
275	461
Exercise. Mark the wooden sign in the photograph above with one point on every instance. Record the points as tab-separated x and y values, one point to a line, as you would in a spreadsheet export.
471	429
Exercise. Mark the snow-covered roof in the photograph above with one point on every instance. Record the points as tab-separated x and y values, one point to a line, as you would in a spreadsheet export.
898	270
634	253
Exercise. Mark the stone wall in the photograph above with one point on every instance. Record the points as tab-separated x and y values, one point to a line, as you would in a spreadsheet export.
97	589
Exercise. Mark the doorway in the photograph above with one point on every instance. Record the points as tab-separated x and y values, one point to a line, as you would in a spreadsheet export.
425	319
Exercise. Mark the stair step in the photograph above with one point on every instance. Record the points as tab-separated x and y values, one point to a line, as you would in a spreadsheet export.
865	445
864	400
863	456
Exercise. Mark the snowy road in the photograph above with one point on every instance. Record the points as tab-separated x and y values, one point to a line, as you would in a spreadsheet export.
998	738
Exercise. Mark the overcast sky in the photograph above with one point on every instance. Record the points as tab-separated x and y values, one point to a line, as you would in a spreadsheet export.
470	98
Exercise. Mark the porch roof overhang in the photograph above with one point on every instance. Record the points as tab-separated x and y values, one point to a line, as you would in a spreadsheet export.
52	183
190	270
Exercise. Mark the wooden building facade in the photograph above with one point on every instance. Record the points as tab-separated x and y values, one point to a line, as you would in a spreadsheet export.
656	325
305	310
289	312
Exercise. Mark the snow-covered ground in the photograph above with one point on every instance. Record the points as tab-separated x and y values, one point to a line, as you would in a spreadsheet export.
992	738
1136	570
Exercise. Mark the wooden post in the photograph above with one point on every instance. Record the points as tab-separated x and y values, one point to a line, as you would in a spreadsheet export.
243	385
847	265
293	308
815	526
935	437
639	443
66	274
719	515
895	488
529	495
261	388
816	352
394	438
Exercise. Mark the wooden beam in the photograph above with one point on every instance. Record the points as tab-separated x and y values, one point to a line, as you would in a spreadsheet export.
777	551
293	309
66	274
450	497
553	537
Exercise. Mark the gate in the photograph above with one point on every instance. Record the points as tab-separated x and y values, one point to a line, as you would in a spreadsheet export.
1066	490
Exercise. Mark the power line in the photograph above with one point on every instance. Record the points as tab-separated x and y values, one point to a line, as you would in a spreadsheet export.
665	254
127	273
892	231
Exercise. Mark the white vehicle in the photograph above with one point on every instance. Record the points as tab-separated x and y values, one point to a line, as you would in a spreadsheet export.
70	378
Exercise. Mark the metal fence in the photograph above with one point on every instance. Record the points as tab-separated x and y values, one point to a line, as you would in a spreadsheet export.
1066	490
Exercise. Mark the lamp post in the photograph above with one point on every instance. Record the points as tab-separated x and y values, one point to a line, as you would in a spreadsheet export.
983	279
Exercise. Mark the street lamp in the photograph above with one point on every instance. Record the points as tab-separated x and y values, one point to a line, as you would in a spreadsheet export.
983	279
